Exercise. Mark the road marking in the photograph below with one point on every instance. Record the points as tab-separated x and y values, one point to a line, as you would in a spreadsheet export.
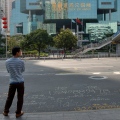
75	68
68	74
101	66
96	73
116	72
78	73
86	67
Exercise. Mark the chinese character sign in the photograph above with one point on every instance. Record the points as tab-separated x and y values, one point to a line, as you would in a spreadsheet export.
56	9
59	6
82	8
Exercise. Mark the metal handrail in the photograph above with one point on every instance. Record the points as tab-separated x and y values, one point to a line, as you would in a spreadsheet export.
94	46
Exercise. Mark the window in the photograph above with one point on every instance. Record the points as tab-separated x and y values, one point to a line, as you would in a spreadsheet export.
106	3
34	3
19	30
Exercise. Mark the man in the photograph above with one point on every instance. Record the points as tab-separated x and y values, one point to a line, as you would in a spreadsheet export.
15	68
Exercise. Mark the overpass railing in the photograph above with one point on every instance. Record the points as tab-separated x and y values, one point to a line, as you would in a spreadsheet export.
94	46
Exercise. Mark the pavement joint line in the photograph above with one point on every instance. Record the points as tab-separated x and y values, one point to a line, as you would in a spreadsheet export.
68	112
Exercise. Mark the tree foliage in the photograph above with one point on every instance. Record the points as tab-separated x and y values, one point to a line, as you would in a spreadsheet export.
37	40
65	40
14	41
2	44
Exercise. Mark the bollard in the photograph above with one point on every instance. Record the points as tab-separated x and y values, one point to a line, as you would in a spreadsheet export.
62	57
80	57
98	56
116	56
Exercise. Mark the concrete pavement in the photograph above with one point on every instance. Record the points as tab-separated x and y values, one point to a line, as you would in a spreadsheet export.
58	71
105	114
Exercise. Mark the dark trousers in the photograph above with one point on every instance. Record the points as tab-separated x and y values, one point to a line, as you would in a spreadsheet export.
11	93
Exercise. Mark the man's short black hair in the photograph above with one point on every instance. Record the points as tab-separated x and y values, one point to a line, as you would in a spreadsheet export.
15	50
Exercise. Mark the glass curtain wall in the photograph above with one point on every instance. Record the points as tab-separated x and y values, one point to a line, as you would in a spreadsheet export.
56	9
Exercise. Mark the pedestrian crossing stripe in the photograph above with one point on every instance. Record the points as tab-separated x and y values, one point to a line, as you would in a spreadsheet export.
96	73
116	72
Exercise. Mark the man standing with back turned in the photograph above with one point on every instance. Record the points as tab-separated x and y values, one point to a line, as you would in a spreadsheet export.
15	68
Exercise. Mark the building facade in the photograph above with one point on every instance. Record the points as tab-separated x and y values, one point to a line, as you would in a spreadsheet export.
3	12
18	20
6	6
98	18
9	9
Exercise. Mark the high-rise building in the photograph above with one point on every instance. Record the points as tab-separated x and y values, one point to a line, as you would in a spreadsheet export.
2	4
6	6
2	13
9	10
95	18
18	20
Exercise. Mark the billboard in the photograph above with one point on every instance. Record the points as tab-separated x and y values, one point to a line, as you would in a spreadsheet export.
56	9
71	9
99	31
85	9
51	28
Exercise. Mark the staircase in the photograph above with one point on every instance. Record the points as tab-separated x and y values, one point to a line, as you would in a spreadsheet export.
94	46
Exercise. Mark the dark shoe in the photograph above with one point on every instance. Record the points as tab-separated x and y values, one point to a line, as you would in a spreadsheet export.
20	114
5	114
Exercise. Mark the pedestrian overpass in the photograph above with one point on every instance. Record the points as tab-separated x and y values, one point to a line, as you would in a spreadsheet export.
94	46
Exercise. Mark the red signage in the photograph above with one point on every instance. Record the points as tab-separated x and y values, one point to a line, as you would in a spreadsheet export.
4	22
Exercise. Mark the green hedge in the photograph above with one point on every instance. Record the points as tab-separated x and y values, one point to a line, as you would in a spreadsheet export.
30	52
34	53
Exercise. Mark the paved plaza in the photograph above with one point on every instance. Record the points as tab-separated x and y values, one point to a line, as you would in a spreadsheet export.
112	114
74	89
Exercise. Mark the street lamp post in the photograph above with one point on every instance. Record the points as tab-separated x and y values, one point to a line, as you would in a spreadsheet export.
5	27
6	42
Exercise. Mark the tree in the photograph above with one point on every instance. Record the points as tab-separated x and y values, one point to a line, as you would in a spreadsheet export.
37	40
14	41
65	40
2	44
